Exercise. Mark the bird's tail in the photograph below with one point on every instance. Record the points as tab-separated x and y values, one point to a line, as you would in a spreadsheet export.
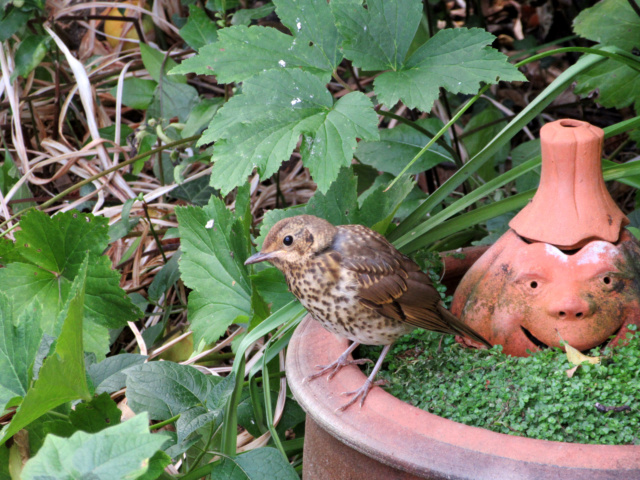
462	328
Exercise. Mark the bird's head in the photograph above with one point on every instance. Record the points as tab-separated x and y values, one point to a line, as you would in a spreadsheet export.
293	240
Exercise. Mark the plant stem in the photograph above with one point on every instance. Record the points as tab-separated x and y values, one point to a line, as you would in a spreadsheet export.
166	422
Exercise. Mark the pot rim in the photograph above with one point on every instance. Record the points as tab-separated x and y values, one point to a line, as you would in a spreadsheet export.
405	437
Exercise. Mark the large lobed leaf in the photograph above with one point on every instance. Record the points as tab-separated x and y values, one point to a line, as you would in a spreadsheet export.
399	145
265	463
261	127
45	260
20	337
459	60
123	451
166	389
62	375
243	52
215	246
377	37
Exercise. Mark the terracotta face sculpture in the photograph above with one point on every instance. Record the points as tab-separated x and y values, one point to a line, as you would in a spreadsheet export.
567	270
532	295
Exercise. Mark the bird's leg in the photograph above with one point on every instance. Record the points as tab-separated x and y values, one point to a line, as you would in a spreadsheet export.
363	391
338	364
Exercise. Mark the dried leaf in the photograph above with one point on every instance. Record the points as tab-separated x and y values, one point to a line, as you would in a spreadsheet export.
576	357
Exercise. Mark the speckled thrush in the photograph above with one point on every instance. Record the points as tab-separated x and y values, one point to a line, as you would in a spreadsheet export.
358	286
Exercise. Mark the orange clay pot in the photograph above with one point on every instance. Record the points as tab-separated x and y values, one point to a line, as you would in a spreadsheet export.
567	270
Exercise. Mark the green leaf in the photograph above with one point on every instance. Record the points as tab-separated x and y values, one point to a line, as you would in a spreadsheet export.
62	376
272	286
312	22
377	37
458	60
166	389
158	63
246	15
12	22
5	474
201	116
168	275
521	154
197	417
379	207
264	463
173	98
398	145
250	134
613	22
214	250
19	341
200	30
9	176
332	145
136	92
122	451
339	205
109	375
476	141
100	413
243	52
617	84
29	55
51	251
196	192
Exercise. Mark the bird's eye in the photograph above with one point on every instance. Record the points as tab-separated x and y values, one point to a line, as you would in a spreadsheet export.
288	240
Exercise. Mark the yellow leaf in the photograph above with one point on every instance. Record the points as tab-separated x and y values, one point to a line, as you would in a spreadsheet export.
576	357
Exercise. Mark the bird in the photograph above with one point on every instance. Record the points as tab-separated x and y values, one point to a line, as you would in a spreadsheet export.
358	286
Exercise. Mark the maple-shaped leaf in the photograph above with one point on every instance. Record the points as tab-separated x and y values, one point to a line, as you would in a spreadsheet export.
378	38
458	60
260	128
44	262
311	21
242	52
215	246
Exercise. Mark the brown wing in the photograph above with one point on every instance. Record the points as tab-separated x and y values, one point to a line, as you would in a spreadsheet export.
393	284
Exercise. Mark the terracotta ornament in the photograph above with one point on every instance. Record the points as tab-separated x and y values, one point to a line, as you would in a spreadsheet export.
567	269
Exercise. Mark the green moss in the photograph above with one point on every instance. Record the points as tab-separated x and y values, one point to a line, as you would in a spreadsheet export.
530	396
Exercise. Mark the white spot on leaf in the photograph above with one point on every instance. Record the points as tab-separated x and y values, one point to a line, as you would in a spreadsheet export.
210	223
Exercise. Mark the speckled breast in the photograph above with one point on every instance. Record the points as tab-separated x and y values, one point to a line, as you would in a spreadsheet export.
330	295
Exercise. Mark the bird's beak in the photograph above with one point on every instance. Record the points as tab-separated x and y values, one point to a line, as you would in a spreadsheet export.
261	257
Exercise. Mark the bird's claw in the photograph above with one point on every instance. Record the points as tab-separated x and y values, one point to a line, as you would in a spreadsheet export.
361	393
335	367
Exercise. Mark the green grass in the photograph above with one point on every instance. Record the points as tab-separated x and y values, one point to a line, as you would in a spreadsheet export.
530	396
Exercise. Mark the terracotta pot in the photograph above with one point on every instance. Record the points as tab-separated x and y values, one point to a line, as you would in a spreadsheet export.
389	439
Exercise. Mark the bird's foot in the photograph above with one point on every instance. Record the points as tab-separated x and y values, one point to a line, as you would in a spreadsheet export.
333	368
336	366
360	393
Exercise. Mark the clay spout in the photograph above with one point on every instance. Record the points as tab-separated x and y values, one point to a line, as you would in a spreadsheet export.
572	205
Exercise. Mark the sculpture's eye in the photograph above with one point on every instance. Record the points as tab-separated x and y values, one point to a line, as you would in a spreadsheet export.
288	240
